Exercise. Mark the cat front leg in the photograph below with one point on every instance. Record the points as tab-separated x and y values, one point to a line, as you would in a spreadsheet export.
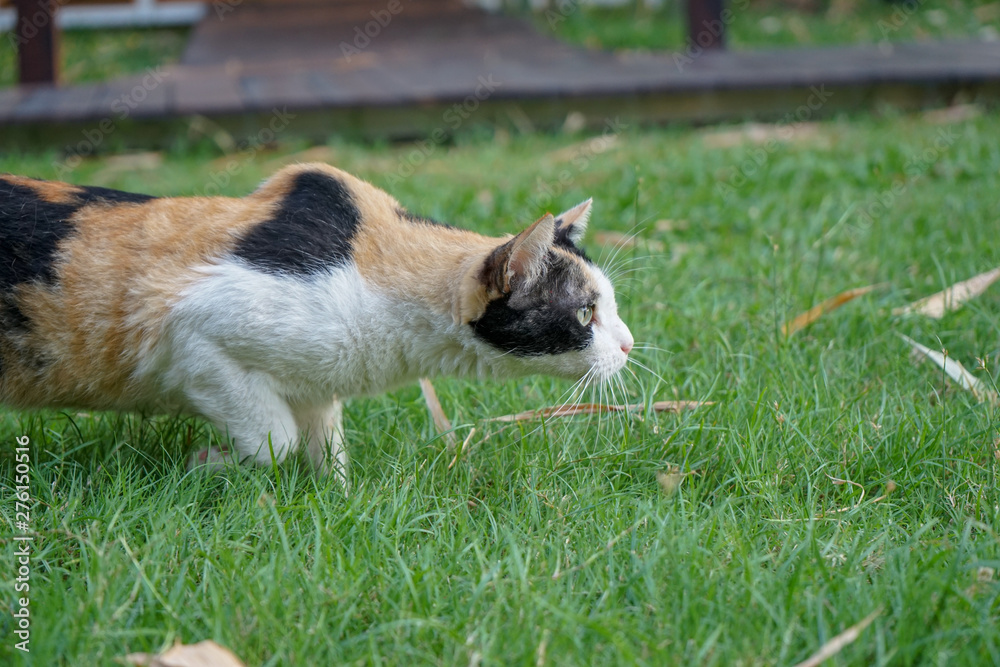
323	430
249	412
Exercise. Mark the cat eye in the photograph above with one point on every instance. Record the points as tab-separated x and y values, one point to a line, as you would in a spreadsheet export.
585	315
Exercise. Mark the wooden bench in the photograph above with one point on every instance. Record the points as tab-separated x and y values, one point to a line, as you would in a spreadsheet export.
37	37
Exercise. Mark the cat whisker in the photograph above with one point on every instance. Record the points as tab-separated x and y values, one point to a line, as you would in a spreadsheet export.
648	346
579	389
630	234
615	269
636	377
626	261
616	387
617	274
648	370
615	277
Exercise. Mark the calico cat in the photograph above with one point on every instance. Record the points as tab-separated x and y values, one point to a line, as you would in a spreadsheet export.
260	314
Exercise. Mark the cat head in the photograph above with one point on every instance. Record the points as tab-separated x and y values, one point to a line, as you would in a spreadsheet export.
538	299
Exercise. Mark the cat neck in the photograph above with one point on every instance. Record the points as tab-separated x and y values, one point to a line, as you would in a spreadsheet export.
425	264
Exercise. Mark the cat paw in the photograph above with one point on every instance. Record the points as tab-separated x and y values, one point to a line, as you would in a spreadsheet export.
212	459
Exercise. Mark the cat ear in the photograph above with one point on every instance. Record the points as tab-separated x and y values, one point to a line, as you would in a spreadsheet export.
571	224
526	258
520	259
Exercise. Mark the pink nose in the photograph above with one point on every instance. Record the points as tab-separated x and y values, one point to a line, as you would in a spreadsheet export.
627	347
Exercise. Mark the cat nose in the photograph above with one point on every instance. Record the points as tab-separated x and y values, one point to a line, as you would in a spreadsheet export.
625	339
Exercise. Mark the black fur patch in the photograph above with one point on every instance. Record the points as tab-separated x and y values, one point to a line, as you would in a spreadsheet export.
312	231
31	230
563	241
96	195
542	319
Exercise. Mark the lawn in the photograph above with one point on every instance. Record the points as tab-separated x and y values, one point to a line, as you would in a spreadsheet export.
831	479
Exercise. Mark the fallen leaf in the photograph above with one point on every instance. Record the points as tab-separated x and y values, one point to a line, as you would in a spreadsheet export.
953	114
463	448
575	121
760	133
838	643
671	225
805	319
114	166
587	148
441	421
596	408
986	13
670	480
203	654
134	161
202	126
952	298
956	371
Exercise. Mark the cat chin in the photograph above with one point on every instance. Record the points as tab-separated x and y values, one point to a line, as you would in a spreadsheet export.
568	366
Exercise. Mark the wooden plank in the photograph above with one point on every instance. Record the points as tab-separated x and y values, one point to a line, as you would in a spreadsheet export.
355	87
140	96
206	90
36	103
76	101
9	99
263	91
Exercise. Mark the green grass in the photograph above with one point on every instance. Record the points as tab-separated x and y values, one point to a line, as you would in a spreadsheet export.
99	55
759	558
